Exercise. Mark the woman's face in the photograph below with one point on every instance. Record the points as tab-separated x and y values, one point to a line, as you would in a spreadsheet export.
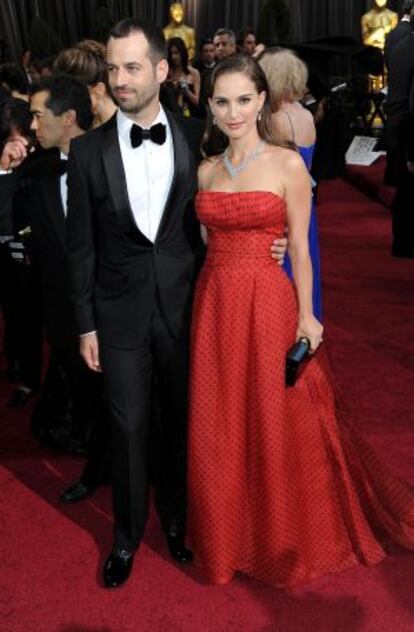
235	104
175	57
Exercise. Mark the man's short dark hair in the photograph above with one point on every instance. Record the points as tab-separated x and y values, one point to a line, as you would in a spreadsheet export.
209	41
66	93
153	34
407	7
231	34
13	77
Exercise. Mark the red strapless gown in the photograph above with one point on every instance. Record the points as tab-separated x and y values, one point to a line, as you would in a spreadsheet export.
278	487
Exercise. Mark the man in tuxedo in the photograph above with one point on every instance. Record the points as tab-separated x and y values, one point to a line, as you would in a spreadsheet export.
400	32
61	111
135	250
400	124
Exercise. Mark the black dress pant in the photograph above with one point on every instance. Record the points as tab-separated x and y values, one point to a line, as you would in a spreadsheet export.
21	303
399	131
403	209
71	414
158	366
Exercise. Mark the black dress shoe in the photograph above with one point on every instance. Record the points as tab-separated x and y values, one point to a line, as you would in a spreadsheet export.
117	568
402	252
76	492
19	397
176	544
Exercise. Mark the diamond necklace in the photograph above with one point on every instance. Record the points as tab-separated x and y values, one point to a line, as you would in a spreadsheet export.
234	170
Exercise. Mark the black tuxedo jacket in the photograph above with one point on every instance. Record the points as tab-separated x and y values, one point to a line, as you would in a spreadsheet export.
36	201
394	37
400	99
116	272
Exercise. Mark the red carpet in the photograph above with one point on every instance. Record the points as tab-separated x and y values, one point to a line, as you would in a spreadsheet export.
370	180
51	556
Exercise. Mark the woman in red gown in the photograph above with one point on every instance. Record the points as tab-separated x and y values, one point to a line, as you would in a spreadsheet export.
279	487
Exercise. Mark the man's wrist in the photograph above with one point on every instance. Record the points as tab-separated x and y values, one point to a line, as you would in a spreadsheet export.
88	333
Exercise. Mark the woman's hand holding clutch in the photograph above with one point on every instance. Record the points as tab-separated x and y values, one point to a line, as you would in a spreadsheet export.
312	329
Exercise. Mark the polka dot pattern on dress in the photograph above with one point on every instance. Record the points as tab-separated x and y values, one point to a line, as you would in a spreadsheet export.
279	487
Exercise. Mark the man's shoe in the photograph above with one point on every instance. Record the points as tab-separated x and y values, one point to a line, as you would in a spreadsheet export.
176	544
117	568
76	492
402	253
20	396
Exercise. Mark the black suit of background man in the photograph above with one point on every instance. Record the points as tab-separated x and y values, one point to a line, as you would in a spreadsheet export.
37	202
137	295
394	37
400	123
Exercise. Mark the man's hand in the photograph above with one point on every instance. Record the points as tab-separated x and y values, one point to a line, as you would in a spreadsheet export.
278	250
410	167
89	350
14	152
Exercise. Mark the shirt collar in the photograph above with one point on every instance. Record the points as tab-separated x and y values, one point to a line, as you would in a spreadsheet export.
63	156
125	123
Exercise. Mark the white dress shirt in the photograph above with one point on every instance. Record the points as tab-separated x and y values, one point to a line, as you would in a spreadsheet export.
149	171
64	187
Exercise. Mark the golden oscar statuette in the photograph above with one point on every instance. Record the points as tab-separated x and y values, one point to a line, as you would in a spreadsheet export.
176	28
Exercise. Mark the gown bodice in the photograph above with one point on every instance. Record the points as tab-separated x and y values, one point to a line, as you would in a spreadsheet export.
242	223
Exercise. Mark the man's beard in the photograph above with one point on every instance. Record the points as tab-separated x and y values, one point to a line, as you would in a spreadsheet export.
136	104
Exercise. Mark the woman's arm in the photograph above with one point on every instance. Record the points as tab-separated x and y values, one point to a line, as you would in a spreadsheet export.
298	196
192	93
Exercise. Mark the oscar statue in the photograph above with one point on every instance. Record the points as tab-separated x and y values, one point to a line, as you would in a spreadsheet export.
377	23
176	28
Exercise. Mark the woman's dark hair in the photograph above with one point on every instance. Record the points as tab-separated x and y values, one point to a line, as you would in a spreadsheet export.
178	43
83	62
66	93
214	141
152	32
15	115
13	76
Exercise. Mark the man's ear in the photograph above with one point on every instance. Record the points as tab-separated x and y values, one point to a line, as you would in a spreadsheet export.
161	70
70	118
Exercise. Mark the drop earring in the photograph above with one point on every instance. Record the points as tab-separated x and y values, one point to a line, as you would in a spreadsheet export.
259	116
214	120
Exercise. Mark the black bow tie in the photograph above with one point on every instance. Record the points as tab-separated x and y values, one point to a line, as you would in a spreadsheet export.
156	133
62	166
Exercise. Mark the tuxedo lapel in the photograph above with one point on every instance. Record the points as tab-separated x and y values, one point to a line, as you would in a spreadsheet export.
114	168
183	173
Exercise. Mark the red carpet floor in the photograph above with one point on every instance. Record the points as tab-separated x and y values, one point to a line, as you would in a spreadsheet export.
51	556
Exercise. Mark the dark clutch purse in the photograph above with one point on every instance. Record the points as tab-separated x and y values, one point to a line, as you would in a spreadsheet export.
296	357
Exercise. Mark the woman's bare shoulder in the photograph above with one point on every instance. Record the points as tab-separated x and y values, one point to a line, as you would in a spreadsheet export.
206	170
284	159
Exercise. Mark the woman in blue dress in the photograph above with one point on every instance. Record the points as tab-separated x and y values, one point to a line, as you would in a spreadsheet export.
287	76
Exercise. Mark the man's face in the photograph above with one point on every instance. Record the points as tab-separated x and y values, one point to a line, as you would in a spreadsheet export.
224	46
133	78
49	128
177	12
208	54
380	3
249	44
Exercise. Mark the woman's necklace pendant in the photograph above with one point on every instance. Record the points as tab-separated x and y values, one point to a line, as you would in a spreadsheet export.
234	170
